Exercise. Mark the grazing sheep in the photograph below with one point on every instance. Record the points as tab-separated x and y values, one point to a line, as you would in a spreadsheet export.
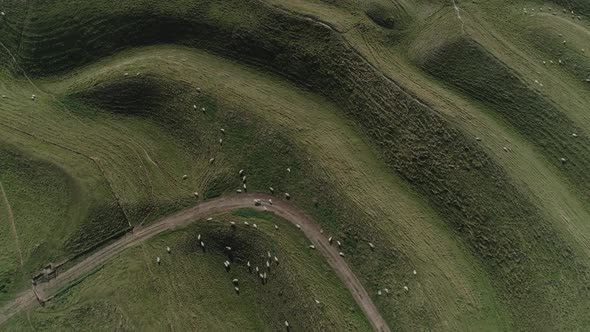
341	254
158	260
241	172
235	281
202	244
199	237
245	188
255	226
33	97
563	160
184	177
232	224
239	191
221	141
268	254
339	244
414	272
195	107
222	131
311	246
286	323
406	288
317	301
575	135
379	292
270	201
289	169
211	160
203	109
246	223
244	179
386	290
257	269
287	196
210	218
168	250
272	190
237	289
196	194
276	227
267	264
298	226
228	248
330	240
371	245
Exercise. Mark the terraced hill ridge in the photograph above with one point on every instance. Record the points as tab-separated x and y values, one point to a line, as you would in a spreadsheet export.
440	149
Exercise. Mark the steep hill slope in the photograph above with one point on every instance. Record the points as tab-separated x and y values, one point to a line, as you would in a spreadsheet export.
451	136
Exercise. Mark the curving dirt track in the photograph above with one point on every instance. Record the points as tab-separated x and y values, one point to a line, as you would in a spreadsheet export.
280	208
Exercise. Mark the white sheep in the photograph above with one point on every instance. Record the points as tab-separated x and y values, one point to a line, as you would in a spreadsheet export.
311	246
341	254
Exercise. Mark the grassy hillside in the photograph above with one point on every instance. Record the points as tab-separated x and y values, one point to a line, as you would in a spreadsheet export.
375	107
191	289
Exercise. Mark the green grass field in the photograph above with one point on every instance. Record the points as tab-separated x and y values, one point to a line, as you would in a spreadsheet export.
375	106
191	290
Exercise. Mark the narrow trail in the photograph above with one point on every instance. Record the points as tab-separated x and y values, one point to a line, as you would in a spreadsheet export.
458	11
12	224
16	239
281	208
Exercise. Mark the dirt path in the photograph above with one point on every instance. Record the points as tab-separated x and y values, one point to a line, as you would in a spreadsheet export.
280	208
12	225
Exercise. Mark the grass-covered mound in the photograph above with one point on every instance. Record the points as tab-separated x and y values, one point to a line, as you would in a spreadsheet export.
41	207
